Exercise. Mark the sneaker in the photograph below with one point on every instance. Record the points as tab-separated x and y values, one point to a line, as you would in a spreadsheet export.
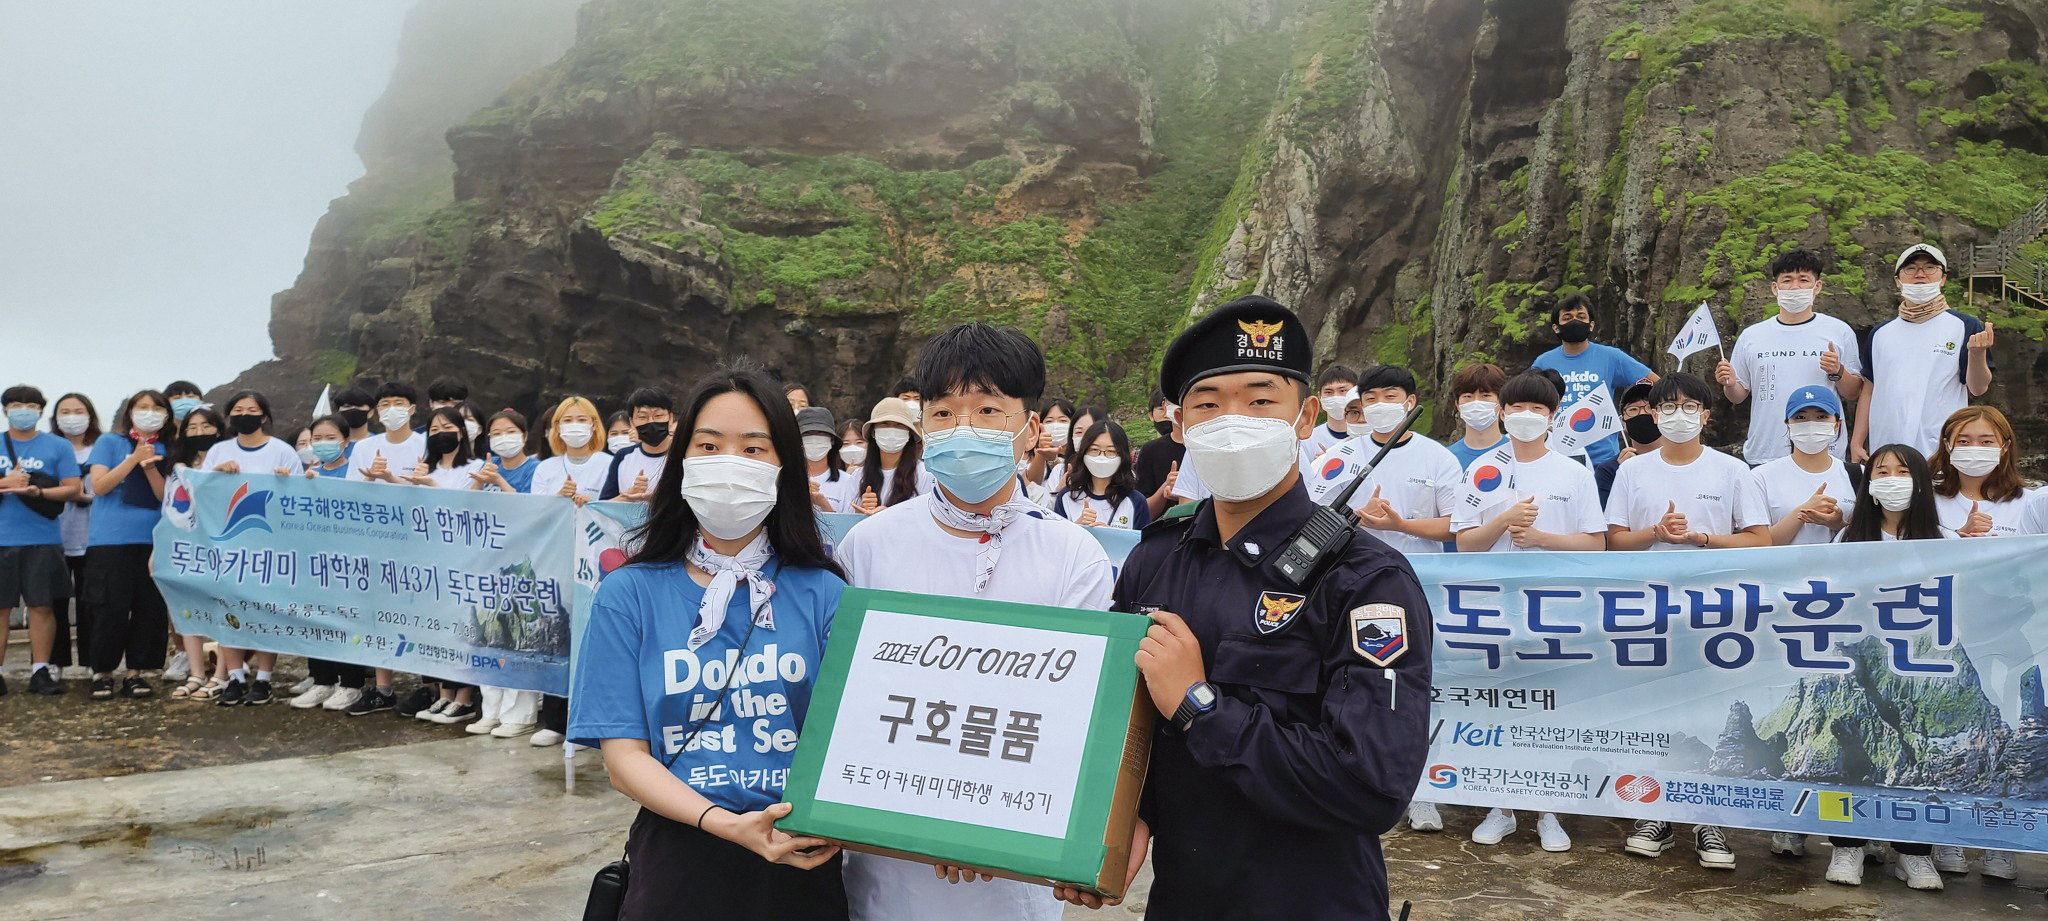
1787	844
1845	866
259	693
482	727
1918	872
454	713
1552	834
342	699
233	694
137	687
3	685
103	688
421	698
312	697
45	683
431	712
371	701
1711	844
1650	839
1421	816
1949	858
1497	825
512	730
1998	865
179	669
545	738
305	684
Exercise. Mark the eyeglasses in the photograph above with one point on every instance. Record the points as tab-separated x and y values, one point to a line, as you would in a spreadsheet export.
1921	270
1633	411
1691	407
986	418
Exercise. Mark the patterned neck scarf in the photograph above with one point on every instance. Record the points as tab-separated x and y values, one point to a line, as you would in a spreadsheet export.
990	526
727	572
1921	313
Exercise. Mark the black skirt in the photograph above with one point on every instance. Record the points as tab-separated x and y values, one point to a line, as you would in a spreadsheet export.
686	874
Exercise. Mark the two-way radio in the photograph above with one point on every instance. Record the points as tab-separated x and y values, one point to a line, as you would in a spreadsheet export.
1326	532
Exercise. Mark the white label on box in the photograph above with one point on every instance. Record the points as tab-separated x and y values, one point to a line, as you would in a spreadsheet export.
969	722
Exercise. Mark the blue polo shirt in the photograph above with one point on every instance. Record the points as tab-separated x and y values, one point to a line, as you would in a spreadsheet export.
44	453
119	518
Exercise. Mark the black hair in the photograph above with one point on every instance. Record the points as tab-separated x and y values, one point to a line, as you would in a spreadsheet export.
997	359
1069	454
262	405
1570	302
1866	523
1388	376
182	451
1797	260
849	423
1530	387
445	389
1681	385
353	396
649	398
1123	483
333	419
92	418
23	393
180	388
462	453
396	389
512	414
903	484
1335	373
1156	400
903	385
1065	406
124	421
1555	379
537	444
792	526
618	417
789	387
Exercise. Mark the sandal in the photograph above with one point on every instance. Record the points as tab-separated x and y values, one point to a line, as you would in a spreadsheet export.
136	687
190	687
210	691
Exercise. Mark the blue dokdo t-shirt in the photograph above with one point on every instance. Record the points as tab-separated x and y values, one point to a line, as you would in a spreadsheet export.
116	518
637	677
1598	364
45	453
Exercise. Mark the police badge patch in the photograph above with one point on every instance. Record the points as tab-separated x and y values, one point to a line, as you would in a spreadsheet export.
1379	632
1276	610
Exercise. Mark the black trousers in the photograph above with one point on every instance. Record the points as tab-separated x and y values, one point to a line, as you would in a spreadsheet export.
684	874
340	674
73	620
1908	849
129	619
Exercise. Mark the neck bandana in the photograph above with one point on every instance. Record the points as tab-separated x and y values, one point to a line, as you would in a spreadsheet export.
1921	313
727	572
991	527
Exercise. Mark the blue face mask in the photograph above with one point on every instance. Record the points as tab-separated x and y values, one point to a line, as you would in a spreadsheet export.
327	451
972	464
182	406
24	418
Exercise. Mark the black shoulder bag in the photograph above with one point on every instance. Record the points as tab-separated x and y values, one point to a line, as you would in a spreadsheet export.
48	508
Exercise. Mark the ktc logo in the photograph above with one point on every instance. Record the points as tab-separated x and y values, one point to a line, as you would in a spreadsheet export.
1442	776
1638	788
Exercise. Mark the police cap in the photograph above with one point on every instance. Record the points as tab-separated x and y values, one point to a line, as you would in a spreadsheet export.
1247	334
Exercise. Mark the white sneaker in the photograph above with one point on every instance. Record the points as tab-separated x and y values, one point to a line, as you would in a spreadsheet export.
1552	834
512	730
313	697
1845	866
179	669
1498	824
304	685
342	699
429	713
1918	872
1424	817
481	727
1787	844
1999	865
545	738
1948	858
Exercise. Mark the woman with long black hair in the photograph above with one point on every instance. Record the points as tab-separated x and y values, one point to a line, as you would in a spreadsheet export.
1101	489
129	620
731	544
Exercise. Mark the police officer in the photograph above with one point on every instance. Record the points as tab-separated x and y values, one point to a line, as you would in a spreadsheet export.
1295	718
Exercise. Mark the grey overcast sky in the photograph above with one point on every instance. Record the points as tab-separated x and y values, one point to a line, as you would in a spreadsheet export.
162	163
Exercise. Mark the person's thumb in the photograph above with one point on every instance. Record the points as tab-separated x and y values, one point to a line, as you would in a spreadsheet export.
1375	492
1973	508
1175	468
1672	508
778	810
1822	491
1831	346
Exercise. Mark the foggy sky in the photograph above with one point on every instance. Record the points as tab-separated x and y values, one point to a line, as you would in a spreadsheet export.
162	164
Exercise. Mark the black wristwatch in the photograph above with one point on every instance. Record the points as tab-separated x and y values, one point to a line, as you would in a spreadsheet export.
1200	699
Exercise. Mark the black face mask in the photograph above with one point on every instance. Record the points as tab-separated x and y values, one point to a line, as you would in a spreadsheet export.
651	433
1164	426
1642	429
443	443
199	444
245	424
356	418
1575	332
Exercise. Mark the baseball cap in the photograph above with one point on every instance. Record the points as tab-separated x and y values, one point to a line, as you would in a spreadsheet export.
1915	250
1811	397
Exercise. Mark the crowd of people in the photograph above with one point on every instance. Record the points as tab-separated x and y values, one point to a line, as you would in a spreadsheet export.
967	470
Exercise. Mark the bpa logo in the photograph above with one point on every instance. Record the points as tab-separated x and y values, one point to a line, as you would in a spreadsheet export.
1442	776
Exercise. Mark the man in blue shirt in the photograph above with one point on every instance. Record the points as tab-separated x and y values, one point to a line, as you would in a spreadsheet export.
1586	365
32	569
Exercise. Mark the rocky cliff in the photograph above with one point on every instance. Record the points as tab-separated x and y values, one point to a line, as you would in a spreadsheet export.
822	183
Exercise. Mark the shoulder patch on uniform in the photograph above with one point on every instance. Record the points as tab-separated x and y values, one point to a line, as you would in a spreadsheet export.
1276	610
1379	632
1183	510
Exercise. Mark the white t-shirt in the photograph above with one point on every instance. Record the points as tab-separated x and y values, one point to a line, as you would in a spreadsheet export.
1045	561
1123	515
555	471
2008	518
925	484
400	459
457	476
1786	487
843	493
1567	501
1419	478
1324	438
1916	378
264	458
1773	360
1715	493
2035	519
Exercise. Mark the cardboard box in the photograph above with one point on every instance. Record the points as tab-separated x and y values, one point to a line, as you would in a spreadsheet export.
1006	738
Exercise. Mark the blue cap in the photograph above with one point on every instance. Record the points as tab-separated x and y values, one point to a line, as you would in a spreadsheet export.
1806	397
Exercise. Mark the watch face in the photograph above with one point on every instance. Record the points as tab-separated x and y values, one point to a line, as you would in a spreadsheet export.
1205	696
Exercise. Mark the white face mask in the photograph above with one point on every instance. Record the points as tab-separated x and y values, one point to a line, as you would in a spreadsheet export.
1074	441
1795	300
730	495
853	455
73	424
1102	466
617	443
508	446
1479	415
1243	457
470	426
1975	461
1920	294
394	418
575	434
816	447
891	440
1333	406
148	421
1892	492
1058	431
1527	425
1812	437
1384	417
1679	427
914	406
307	457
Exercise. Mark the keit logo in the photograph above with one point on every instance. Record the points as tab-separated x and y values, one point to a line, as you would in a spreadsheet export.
1442	776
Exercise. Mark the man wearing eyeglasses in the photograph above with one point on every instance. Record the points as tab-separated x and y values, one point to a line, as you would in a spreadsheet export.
1933	361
